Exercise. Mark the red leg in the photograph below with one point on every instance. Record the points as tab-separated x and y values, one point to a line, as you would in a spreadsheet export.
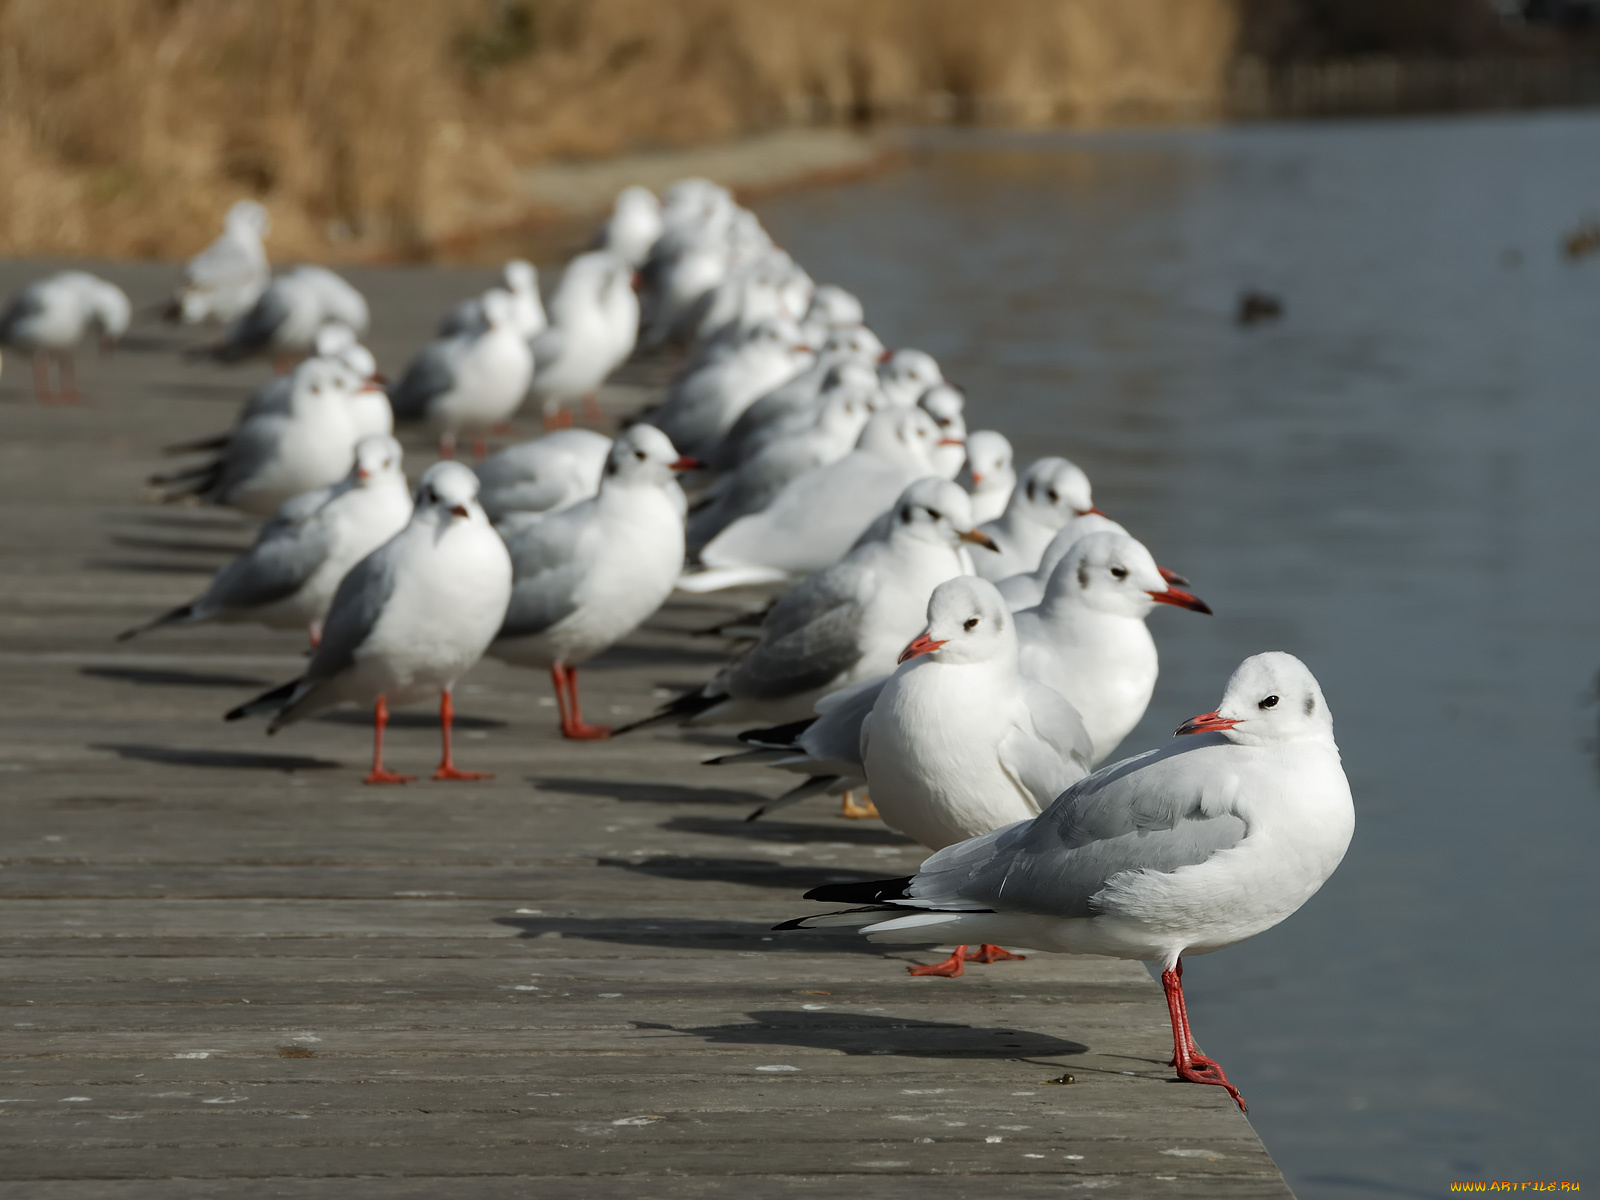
316	634
41	378
950	968
447	445
480	448
447	768
561	418
69	393
1193	1067
380	720
990	953
591	408
572	722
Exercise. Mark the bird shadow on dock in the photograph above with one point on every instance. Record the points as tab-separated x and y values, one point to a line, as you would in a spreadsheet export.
178	546
857	833
757	872
234	760
690	933
633	792
628	658
420	719
867	1033
143	566
145	675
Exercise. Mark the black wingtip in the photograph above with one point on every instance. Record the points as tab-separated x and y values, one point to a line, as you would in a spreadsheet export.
688	705
778	737
268	701
874	891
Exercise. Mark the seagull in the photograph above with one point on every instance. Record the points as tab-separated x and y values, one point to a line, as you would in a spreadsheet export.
1050	493
408	620
1182	850
224	280
818	516
274	455
988	474
633	226
831	435
545	475
520	282
944	403
468	383
702	406
286	580
1027	589
1087	638
904	375
594	324
52	316
285	318
588	576
831	308
845	359
845	623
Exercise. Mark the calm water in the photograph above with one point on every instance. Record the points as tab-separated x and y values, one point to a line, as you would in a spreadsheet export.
1397	482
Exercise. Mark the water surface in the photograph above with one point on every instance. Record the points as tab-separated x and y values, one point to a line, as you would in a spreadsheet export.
1396	482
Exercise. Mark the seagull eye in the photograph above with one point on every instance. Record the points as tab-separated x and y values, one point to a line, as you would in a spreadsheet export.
970	624
640	455
1119	572
1268	702
935	516
1054	495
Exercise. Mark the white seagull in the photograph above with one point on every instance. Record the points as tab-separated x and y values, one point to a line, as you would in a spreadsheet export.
545	475
845	623
818	516
286	580
945	404
224	280
633	226
988	474
283	322
470	383
1049	494
279	453
1027	589
519	280
589	575
408	620
594	324
1183	850
51	317
1088	640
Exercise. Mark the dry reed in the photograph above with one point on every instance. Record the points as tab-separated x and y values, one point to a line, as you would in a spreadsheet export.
381	127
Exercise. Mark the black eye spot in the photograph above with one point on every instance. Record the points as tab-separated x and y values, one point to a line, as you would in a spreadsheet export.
937	516
1311	705
970	623
1269	702
1054	496
1119	572
905	516
639	454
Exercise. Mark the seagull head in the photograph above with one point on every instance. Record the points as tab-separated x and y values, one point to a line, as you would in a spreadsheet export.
833	306
968	621
1272	697
944	403
856	344
989	460
643	454
520	277
449	492
936	510
378	457
845	412
904	436
906	374
1113	573
1051	492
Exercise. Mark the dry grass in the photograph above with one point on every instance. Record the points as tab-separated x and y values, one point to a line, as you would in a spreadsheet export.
375	127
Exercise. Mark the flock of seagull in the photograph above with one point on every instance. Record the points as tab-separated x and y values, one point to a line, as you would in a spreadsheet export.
953	643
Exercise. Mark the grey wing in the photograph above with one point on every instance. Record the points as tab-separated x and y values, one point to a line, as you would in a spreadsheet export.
810	638
546	568
254	330
430	374
252	445
1049	750
1152	812
20	308
546	346
355	610
834	738
466	317
287	552
224	263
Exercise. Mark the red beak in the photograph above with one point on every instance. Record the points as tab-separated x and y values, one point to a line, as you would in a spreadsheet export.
976	478
460	510
1093	510
685	463
377	379
636	281
922	644
1181	598
950	442
1205	723
363	473
1173	577
886	356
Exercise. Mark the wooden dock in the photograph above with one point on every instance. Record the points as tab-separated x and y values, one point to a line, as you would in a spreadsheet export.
231	970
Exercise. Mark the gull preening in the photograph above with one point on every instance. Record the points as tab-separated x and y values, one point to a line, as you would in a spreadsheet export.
1183	850
223	281
51	318
283	322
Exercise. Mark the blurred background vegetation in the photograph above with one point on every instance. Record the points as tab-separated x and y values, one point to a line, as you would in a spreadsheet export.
380	128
